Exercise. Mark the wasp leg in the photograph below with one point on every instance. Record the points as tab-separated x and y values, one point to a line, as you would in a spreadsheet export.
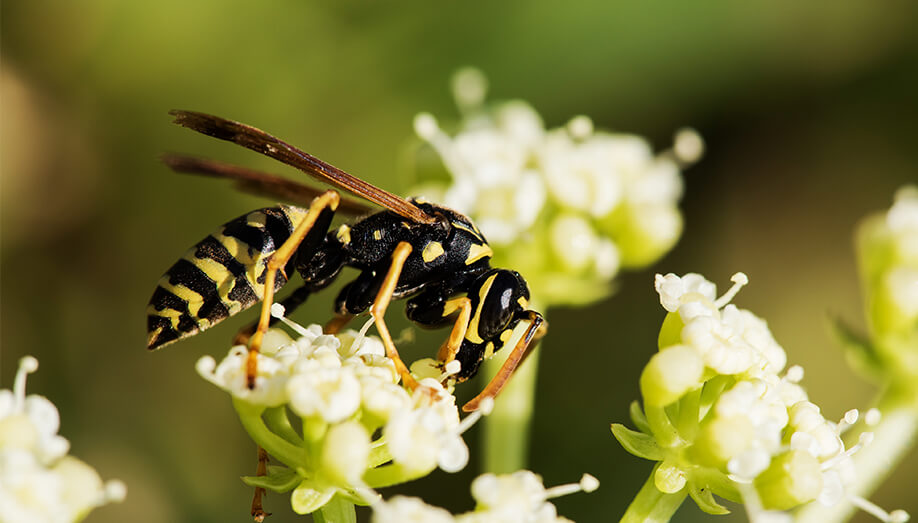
381	303
258	511
449	349
328	199
337	323
290	303
516	356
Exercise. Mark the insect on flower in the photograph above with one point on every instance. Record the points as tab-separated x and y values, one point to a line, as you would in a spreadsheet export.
432	255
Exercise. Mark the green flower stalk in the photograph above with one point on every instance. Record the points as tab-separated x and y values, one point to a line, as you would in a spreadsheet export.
39	481
508	498
331	413
567	207
721	417
887	248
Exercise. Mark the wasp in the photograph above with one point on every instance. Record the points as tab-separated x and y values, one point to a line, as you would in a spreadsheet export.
434	257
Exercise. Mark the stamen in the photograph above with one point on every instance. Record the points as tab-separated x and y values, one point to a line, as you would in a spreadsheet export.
587	483
873	417
739	280
484	408
425	125
469	88
794	374
27	365
688	146
580	127
358	340
862	441
115	491
450	369
278	311
896	516
848	421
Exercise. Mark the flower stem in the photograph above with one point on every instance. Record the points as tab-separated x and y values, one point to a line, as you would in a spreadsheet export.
338	510
894	436
250	417
506	429
652	506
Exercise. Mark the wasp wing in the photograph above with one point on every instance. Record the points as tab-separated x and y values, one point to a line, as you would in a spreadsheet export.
262	142
257	182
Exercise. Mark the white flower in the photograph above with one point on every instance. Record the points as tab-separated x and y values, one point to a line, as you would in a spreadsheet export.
401	509
333	393
675	290
607	200
428	435
519	497
38	481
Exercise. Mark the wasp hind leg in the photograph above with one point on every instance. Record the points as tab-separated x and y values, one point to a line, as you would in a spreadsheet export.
258	511
277	262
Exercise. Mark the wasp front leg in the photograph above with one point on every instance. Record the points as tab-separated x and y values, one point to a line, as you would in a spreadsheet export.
450	348
324	204
514	359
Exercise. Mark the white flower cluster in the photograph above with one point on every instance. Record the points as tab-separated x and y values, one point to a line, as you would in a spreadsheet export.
512	498
345	391
39	482
746	420
566	203
888	248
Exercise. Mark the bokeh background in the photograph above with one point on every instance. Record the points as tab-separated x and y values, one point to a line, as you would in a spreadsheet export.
809	111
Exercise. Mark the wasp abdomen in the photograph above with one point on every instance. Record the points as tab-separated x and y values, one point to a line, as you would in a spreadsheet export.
220	276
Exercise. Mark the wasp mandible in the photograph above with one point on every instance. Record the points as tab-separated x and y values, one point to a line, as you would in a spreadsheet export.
431	255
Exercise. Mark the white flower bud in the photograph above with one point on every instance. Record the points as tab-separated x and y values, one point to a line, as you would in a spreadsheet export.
346	452
329	392
401	509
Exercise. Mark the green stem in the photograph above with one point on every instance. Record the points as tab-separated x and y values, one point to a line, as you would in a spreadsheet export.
652	506
392	474
894	436
288	454
506	429
661	426
338	510
277	421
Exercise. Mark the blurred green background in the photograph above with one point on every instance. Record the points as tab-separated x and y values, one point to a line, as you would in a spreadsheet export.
809	111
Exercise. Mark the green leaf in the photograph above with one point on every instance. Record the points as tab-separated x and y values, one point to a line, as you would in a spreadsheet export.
860	352
637	443
638	417
704	498
306	499
716	482
339	510
279	479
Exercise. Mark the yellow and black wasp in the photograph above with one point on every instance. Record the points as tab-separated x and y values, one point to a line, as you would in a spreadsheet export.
432	255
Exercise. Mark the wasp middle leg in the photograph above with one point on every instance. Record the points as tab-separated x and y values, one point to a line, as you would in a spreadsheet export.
381	303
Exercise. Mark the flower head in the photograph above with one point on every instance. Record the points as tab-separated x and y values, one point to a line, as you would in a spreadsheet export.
888	254
721	416
39	482
509	498
360	427
568	207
